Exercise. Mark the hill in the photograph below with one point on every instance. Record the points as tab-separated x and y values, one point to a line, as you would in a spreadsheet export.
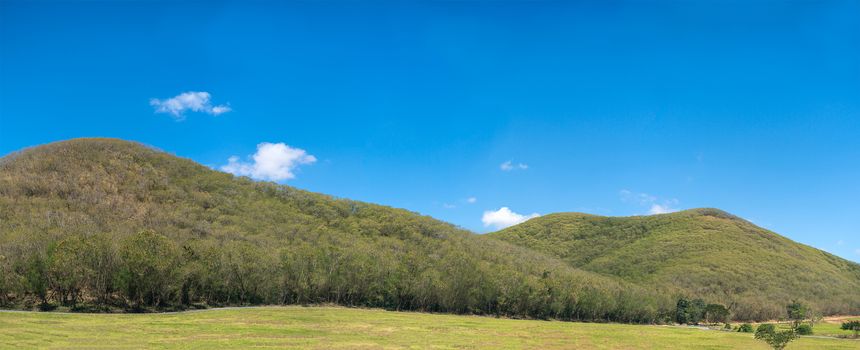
105	224
699	253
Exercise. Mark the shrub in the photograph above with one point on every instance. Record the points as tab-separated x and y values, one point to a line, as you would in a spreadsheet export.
745	328
852	326
765	328
803	329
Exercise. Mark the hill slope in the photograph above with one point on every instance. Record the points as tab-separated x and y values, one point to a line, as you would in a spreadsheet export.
102	223
704	253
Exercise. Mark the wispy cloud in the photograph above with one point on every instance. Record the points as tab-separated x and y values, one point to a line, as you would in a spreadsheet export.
195	101
509	165
655	205
273	162
660	209
468	200
504	217
628	196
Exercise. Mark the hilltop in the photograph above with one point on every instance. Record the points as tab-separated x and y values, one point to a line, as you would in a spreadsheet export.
699	253
106	224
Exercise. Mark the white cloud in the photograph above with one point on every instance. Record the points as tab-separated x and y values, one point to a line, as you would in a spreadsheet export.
195	101
504	217
273	162
661	209
509	165
654	204
471	200
840	242
857	251
448	206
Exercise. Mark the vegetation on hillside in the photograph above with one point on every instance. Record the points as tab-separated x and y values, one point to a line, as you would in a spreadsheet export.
98	224
703	254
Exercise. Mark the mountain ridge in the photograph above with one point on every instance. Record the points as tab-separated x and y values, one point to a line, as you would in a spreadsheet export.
705	252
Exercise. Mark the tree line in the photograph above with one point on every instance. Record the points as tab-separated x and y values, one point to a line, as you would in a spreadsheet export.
147	271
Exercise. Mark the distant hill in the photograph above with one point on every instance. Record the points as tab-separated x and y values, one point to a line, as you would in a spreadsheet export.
105	224
699	253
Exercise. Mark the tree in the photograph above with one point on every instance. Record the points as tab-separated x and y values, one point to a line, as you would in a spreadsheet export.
852	326
65	270
745	328
803	329
692	312
9	281
815	316
681	311
35	278
776	339
244	270
103	263
797	313
696	311
715	313
149	274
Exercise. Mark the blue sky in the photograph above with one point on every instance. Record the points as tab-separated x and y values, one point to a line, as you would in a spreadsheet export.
459	109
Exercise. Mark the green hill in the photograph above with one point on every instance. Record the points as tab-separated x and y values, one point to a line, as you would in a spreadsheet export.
699	253
103	224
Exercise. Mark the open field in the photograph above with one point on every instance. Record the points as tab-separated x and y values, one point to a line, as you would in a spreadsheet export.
829	326
344	328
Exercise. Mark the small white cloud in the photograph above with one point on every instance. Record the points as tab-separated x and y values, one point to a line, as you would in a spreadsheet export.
221	109
195	101
448	206
273	162
509	165
654	204
840	242
857	251
661	209
471	200
504	217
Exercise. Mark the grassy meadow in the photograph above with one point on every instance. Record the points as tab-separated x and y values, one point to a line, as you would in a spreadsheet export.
346	328
829	326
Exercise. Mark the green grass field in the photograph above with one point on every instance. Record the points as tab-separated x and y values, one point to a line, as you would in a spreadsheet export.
829	327
345	328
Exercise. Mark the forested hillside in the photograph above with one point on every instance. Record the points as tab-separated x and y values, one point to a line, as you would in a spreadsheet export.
699	253
102	224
